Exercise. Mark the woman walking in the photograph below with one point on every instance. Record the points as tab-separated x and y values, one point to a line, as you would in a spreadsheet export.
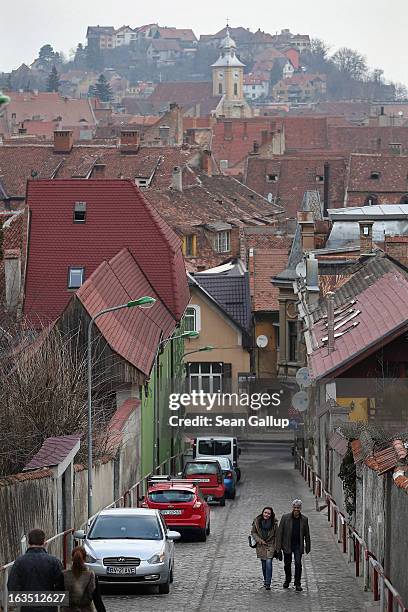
82	585
264	531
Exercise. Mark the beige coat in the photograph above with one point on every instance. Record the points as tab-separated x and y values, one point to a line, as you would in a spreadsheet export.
81	591
267	550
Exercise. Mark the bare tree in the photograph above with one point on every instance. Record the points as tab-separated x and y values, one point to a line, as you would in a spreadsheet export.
351	63
42	394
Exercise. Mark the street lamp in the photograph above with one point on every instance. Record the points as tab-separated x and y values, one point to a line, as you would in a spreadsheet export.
143	302
200	350
156	421
3	99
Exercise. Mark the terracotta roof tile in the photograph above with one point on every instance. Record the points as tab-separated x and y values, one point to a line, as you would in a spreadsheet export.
267	263
53	452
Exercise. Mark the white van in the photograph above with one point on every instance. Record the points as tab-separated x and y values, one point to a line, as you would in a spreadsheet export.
218	446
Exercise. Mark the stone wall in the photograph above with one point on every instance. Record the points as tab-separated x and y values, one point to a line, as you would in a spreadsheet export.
397	538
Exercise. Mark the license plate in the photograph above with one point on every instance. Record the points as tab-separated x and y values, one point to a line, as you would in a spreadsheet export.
202	479
121	570
172	512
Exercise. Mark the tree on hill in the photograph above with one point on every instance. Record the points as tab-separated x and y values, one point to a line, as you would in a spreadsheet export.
80	56
46	53
350	63
53	82
103	90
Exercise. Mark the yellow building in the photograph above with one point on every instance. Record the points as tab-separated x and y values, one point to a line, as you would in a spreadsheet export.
228	81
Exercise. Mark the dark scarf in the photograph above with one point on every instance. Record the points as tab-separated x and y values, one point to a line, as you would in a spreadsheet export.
265	527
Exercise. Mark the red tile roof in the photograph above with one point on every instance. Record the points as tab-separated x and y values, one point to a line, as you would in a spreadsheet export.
53	452
183	93
117	215
381	290
339	443
133	334
267	263
393	170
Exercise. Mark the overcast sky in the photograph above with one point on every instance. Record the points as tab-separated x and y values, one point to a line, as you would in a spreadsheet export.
377	28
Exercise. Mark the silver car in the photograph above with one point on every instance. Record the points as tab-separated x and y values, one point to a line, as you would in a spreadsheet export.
130	545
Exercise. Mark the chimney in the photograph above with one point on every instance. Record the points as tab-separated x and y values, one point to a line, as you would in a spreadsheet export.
129	141
251	272
206	162
99	171
164	134
63	141
264	137
227	130
312	279
326	189
306	222
255	150
366	237
12	277
177	179
330	321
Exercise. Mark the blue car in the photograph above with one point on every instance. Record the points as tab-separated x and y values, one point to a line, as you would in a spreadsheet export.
230	475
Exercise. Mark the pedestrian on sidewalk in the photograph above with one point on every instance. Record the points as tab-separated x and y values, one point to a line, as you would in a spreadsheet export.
36	570
294	539
264	531
82	585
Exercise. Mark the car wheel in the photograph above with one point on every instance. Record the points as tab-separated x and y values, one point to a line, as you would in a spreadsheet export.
238	475
233	494
202	537
222	501
208	531
164	589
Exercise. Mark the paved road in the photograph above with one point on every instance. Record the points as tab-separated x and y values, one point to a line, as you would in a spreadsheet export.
224	574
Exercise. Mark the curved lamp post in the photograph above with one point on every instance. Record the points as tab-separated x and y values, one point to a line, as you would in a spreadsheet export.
203	349
143	302
156	420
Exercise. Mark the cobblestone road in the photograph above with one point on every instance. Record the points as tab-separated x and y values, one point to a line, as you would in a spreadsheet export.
224	574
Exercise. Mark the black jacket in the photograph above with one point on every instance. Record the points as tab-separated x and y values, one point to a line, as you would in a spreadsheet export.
36	570
284	540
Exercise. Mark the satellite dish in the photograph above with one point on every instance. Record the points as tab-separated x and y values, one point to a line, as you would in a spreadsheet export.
301	269
300	401
303	378
270	198
262	341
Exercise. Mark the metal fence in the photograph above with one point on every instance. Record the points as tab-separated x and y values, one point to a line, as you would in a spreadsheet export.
353	545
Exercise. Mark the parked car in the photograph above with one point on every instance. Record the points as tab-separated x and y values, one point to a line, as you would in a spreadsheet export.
130	545
181	503
208	474
230	475
218	446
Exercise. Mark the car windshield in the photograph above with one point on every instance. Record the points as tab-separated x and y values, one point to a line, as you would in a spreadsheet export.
214	447
201	468
126	527
223	461
171	496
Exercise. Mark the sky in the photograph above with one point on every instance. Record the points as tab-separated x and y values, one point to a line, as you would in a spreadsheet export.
376	28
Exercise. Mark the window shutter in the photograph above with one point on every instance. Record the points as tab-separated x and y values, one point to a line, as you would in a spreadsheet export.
226	377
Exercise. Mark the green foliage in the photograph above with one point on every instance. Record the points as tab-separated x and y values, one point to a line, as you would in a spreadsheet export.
46	53
53	82
103	90
347	474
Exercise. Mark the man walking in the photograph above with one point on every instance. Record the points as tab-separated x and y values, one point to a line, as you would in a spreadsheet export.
36	570
294	540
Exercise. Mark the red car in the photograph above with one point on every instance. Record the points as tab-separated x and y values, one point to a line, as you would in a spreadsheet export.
181	504
209	476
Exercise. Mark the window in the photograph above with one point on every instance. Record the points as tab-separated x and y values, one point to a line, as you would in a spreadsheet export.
292	340
235	89
375	175
192	319
205	377
272	178
79	212
371	200
222	242
236	75
404	199
220	88
190	245
319	178
221	75
75	278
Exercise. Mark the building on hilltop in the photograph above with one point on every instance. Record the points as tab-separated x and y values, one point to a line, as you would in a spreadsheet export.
228	81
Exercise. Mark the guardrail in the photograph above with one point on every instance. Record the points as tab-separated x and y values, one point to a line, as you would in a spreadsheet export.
366	564
131	498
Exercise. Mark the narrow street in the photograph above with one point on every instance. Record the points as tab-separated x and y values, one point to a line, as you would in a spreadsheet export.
224	574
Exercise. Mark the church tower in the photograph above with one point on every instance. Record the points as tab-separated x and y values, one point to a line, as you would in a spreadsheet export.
228	80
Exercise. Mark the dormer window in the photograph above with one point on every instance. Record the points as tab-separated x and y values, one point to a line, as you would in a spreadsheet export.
222	242
75	277
319	178
375	175
272	178
80	212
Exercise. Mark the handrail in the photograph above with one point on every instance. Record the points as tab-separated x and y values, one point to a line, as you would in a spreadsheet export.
382	588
